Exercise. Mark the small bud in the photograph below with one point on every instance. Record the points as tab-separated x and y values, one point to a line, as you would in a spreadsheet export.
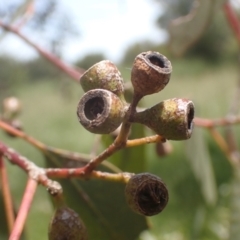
163	148
66	224
150	73
172	118
103	75
146	194
100	111
11	108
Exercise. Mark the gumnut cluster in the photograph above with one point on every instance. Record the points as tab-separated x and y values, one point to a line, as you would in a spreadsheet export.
103	108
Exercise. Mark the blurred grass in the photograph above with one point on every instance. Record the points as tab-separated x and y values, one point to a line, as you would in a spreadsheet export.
49	114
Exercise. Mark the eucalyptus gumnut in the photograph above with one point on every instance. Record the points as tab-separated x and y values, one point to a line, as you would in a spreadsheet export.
66	225
100	111
103	75
146	194
151	72
172	118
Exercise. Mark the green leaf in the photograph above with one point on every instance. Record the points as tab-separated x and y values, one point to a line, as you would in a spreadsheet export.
234	231
200	162
130	159
195	22
100	204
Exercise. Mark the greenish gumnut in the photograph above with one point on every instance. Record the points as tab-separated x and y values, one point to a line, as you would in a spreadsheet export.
146	194
172	118
103	75
151	72
100	111
66	224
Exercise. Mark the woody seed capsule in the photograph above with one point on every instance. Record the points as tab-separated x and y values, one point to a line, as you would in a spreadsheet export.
150	73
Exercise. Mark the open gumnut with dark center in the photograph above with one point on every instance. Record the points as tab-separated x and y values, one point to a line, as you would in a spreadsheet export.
100	111
151	72
146	194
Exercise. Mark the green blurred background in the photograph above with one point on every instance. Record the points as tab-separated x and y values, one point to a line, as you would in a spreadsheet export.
208	74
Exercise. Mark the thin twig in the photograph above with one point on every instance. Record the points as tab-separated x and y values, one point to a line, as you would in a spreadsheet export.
7	198
24	209
145	140
34	172
21	134
78	173
204	122
233	157
232	19
70	71
41	146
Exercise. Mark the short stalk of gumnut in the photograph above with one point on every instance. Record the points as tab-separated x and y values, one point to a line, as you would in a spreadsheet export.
150	73
100	111
103	75
172	118
146	194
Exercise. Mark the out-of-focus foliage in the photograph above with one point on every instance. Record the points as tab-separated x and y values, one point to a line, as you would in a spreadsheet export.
48	18
39	69
133	50
17	72
173	9
216	43
90	59
12	73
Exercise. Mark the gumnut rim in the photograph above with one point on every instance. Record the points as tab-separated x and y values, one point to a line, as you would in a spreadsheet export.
151	72
100	111
146	194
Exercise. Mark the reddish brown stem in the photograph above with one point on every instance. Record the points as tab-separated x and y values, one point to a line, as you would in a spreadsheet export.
78	173
24	209
231	156
70	71
21	134
232	19
33	171
14	157
101	157
8	204
207	123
